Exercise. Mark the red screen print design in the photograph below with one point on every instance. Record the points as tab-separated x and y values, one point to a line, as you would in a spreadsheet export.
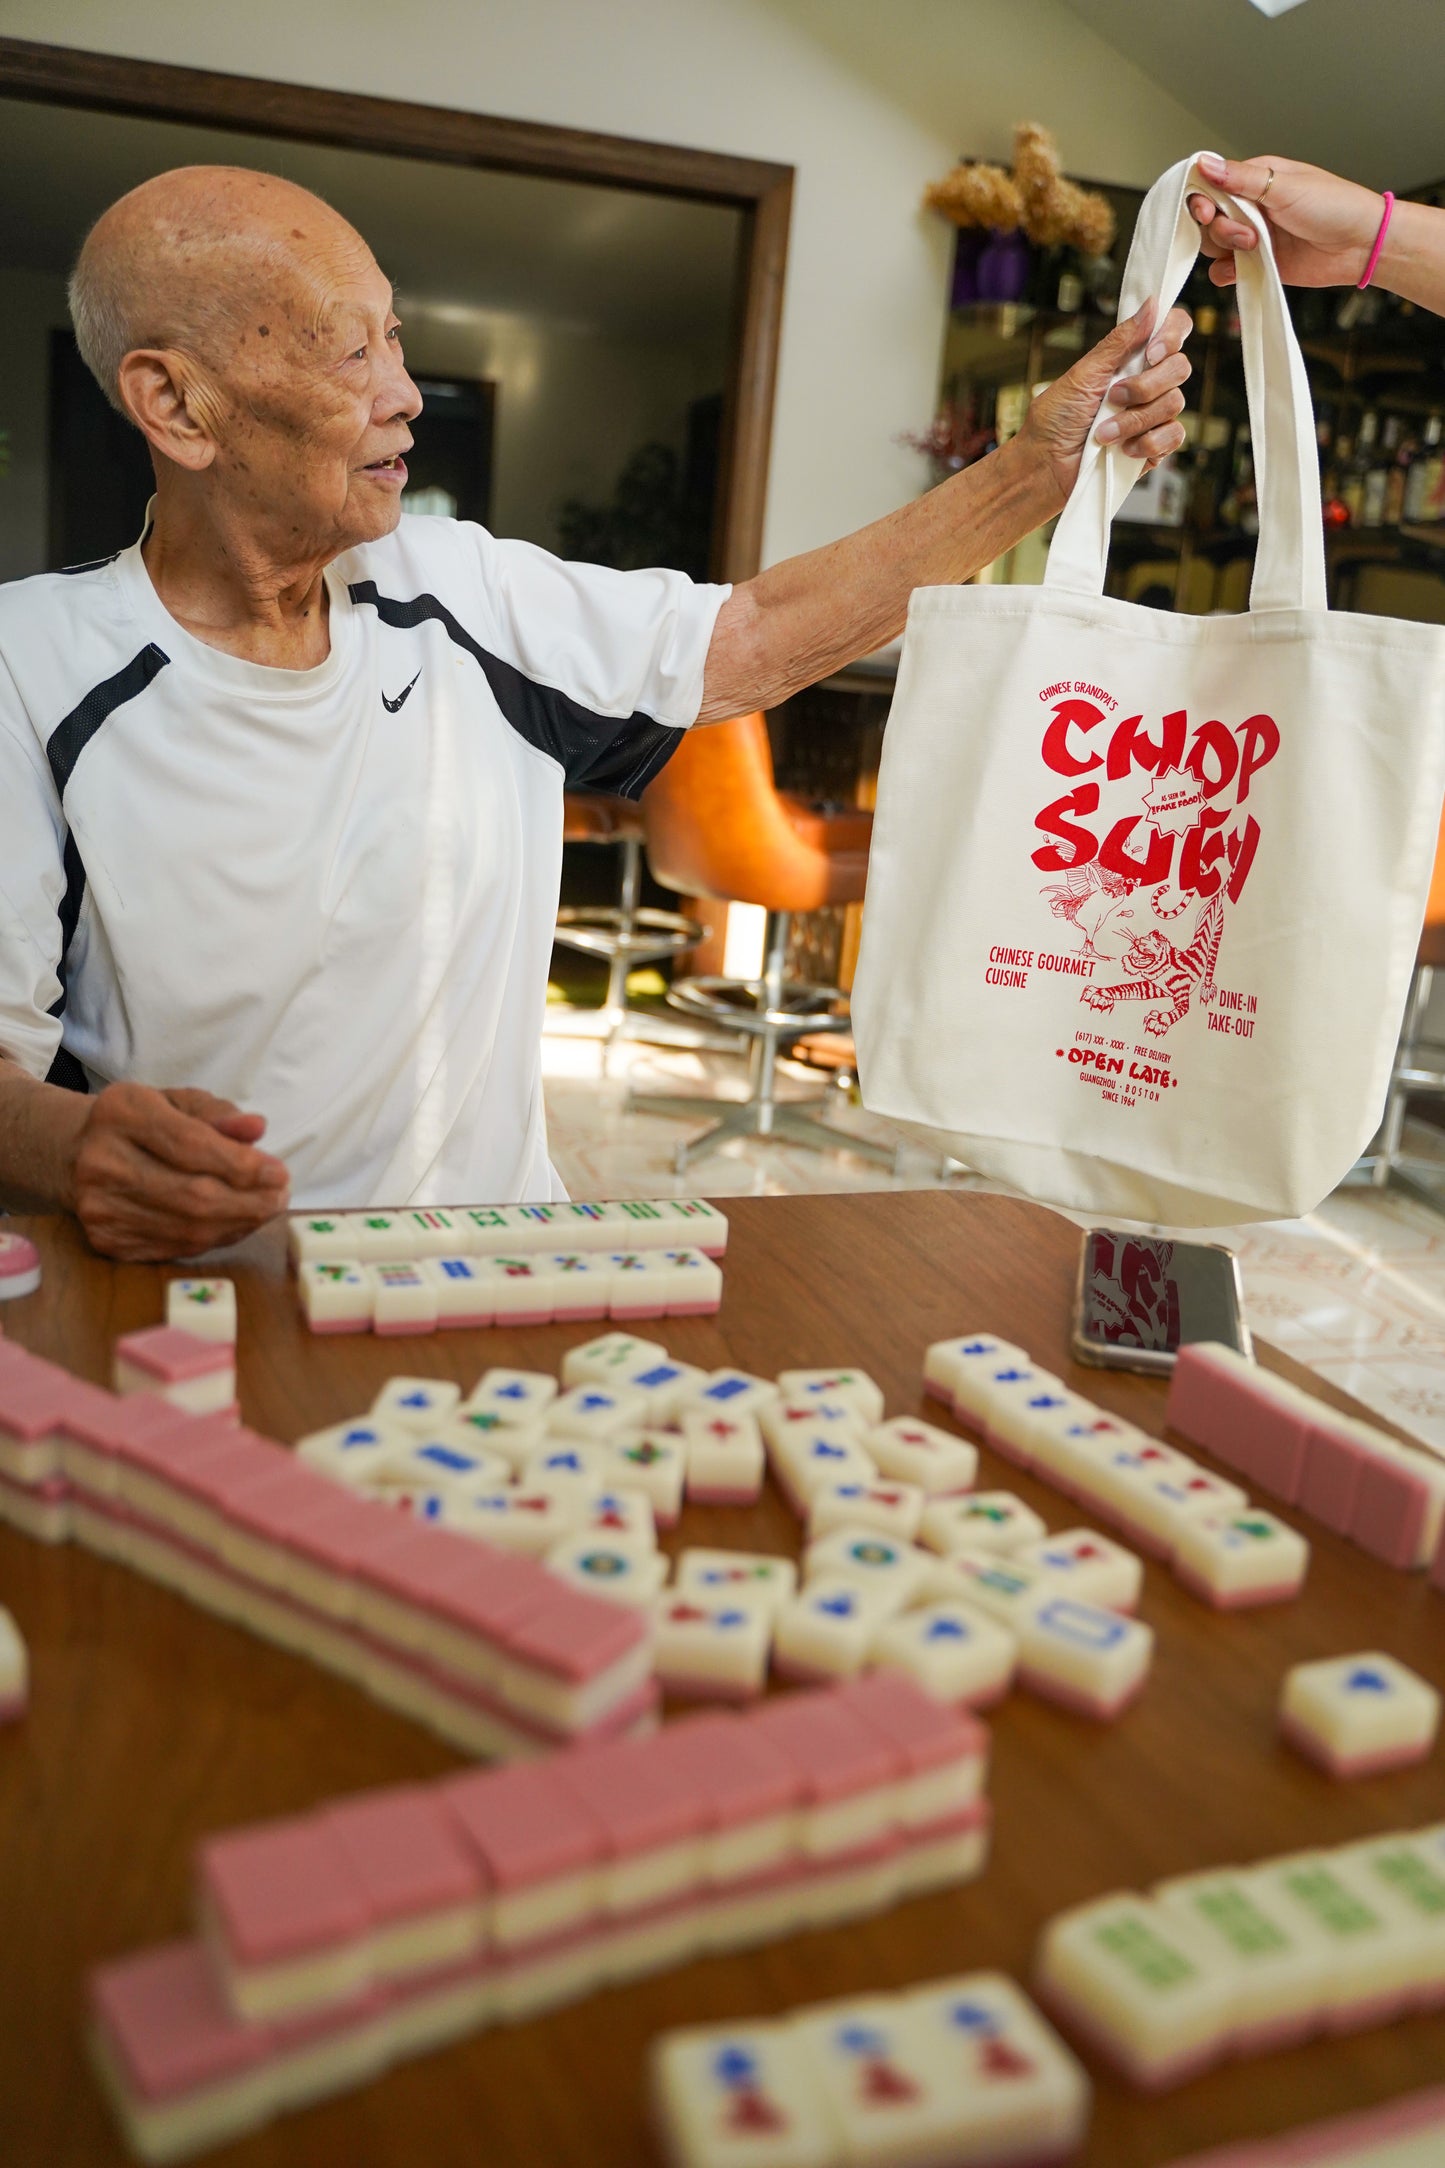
1154	844
1132	1297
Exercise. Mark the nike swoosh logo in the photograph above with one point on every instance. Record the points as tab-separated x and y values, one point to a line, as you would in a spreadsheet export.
391	706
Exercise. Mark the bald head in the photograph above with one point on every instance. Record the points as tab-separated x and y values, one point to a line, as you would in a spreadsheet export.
197	260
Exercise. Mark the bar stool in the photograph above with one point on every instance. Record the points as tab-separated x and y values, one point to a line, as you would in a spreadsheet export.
1419	1064
717	826
628	933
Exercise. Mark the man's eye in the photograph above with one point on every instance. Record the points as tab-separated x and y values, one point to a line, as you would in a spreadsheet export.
359	355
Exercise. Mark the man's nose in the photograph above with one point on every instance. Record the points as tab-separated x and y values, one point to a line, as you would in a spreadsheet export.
398	399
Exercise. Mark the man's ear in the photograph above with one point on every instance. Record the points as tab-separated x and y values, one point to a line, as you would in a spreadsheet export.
170	401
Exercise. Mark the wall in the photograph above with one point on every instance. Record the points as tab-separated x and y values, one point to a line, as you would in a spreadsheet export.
891	97
571	404
30	302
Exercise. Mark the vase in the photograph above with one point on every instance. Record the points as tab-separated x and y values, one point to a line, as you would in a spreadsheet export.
1004	266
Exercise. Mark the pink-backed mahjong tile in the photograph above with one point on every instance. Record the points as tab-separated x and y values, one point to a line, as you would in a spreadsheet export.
1396	1513
652	1814
947	1362
667	1385
465	1294
1250	1420
194	1374
1359	1715
581	1285
825	1630
1334	1455
725	1573
850	1773
724	1455
602	1565
955	1652
1237	1559
337	1294
280	1891
14	1669
403	1298
912	1451
810	1387
656	1465
597	1412
527	1828
30	1428
612	1355
406	1855
19	1266
519	1398
944	1750
733	1392
417	1404
162	2016
575	1636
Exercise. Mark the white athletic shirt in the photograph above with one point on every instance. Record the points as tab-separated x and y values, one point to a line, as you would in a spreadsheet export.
327	894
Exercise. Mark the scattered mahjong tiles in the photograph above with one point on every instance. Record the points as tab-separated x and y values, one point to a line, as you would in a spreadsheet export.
206	1308
628	1224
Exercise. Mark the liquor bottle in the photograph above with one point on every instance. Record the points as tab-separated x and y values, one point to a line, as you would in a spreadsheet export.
1424	474
1377	473
1356	468
1402	466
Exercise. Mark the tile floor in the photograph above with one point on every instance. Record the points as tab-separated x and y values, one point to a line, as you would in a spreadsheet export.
1355	1291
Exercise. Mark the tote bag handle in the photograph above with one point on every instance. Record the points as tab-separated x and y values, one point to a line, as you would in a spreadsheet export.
1289	566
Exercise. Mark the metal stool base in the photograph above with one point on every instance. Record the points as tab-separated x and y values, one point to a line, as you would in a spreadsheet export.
788	1122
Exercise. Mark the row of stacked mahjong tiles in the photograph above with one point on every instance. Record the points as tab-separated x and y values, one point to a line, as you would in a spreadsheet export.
526	1264
333	1944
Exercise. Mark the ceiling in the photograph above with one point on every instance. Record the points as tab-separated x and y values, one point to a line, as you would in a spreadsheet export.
594	259
1350	84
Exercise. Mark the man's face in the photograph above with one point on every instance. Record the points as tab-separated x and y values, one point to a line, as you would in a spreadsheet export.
315	406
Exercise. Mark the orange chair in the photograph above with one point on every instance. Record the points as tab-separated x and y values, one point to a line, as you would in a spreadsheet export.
718	826
625	934
1417	1059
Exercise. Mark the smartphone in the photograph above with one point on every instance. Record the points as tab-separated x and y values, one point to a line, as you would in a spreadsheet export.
1140	1298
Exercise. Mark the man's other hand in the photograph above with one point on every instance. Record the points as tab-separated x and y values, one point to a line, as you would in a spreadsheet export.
167	1174
1142	410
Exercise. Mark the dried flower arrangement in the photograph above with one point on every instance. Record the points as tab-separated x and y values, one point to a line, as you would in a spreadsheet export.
1052	211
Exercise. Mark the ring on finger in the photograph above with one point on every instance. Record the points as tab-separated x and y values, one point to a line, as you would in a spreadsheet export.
1268	184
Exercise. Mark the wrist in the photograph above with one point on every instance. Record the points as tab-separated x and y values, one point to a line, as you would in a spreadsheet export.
1026	465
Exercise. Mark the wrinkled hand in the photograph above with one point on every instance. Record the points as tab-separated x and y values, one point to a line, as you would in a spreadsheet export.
1322	227
166	1174
1142	421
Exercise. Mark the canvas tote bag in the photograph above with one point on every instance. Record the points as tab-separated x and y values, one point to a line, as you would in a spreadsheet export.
1145	890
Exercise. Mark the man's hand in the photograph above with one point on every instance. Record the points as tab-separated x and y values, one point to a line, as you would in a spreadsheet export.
157	1175
1143	423
1322	227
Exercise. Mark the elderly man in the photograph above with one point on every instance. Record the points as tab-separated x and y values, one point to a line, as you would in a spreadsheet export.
281	784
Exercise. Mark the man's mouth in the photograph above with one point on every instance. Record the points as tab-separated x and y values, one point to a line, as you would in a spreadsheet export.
393	469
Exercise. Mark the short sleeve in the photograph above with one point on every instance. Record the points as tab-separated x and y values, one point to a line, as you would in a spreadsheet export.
32	893
609	665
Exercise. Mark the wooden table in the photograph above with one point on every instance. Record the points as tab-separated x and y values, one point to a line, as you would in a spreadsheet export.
152	1724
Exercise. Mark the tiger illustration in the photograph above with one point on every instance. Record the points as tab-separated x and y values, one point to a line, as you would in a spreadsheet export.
1161	972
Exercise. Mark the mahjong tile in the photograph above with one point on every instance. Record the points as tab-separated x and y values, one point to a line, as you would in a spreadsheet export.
403	1298
1359	1715
809	1458
1015	2090
913	1451
639	1284
1086	1657
1403	1876
1073	1451
656	1465
14	1669
519	1397
994	1582
417	1404
438	1462
483	1229
712	1645
733	1392
948	1363
571	1464
587	1226
955	1652
683	1219
1005	1381
377	1238
759	1575
855	1386
352	1452
691	1283
1019	1399
337	1295
667	1385
980	1521
1363	1949
427	1231
895	1508
598	1412
1145	1984
612	1355
888	2092
530	1228
724	1454
463	1291
1089	1565
582	1283
521	1288
206	1308
827	1628
1280	1988
604	1567
1241	1558
828	1416
321	1235
484	1428
521	1517
622	1516
740	2096
896	1569
1157	1508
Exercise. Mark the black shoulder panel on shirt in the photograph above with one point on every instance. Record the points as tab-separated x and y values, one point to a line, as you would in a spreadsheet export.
66	743
70	737
620	754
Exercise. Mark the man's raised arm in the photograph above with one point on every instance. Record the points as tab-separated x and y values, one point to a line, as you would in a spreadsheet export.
811	615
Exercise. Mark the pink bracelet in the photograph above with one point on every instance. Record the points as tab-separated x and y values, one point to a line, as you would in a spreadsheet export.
1373	263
